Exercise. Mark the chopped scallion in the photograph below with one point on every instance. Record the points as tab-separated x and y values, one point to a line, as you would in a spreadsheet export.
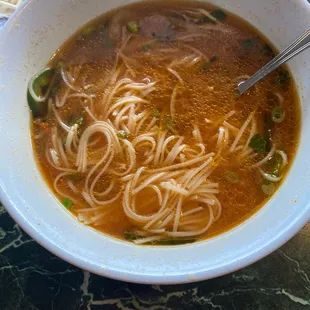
123	134
173	241
131	236
248	42
132	26
277	165
284	77
268	187
156	113
38	86
145	47
74	176
213	58
79	121
219	14
268	124
67	203
258	143
88	30
168	123
277	114
206	65
267	50
101	27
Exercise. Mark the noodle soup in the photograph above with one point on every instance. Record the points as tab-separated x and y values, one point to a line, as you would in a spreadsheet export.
139	131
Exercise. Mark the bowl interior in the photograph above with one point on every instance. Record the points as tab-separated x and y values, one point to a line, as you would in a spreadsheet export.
27	43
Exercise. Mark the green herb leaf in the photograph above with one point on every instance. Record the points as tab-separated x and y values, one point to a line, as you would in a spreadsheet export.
67	203
206	65
107	42
258	143
74	176
174	241
268	125
232	177
79	121
145	47
123	134
40	84
267	50
277	165
88	30
277	114
60	65
213	58
101	27
168	123
248	42
156	113
284	77
130	236
219	14
268	187
132	26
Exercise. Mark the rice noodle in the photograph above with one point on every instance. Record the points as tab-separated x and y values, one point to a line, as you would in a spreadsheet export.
241	131
266	158
126	159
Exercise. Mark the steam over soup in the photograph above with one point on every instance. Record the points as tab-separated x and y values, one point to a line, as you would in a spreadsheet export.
139	131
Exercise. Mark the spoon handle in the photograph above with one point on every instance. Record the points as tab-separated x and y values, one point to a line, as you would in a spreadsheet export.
300	44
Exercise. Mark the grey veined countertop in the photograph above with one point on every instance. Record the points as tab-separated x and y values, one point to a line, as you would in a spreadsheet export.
32	278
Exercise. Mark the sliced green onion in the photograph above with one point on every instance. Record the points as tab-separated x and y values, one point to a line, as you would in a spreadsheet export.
156	113
213	58
248	42
60	65
173	241
267	50
168	123
277	114
277	165
232	177
132	26
67	203
145	47
79	121
131	236
74	176
101	27
37	87
123	134
258	143
88	30
284	77
206	65
219	14
268	124
268	187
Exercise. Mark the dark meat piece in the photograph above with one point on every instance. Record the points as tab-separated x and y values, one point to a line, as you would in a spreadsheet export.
157	26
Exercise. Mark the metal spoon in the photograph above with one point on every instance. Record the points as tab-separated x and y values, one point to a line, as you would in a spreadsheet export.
300	44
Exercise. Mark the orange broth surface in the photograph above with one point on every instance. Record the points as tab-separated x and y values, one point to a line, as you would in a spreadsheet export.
228	50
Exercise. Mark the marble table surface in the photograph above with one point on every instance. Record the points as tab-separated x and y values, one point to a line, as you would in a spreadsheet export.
32	278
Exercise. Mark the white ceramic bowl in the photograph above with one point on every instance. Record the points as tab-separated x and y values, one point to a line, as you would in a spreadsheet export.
26	44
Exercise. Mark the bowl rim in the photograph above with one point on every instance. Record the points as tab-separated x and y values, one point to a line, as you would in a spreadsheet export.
275	242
